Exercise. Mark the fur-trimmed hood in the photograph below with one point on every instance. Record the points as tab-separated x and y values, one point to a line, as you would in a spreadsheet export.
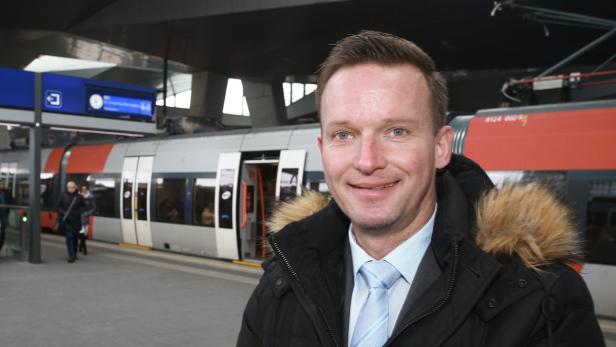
522	218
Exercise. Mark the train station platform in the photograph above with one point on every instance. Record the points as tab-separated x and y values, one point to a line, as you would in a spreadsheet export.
117	296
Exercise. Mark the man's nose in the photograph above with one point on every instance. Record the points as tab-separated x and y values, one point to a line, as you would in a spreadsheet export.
370	157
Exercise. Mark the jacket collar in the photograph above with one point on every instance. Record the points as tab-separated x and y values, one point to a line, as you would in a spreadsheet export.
326	231
459	186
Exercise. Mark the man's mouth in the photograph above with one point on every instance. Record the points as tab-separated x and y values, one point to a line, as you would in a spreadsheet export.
377	186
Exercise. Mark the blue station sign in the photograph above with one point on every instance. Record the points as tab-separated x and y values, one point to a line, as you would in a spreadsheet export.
16	89
73	95
78	96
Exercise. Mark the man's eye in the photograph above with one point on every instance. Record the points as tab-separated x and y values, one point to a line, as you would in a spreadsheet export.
342	135
399	132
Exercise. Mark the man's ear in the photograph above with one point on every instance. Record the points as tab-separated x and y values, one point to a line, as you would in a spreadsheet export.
320	144
443	146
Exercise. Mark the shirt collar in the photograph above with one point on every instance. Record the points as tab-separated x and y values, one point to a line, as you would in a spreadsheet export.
405	258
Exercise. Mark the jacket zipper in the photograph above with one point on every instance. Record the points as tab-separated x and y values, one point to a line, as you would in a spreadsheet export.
296	278
284	259
442	302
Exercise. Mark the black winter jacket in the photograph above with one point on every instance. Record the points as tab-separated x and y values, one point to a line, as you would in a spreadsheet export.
73	220
502	279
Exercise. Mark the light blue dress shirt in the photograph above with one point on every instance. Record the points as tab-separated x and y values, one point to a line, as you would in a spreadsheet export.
405	258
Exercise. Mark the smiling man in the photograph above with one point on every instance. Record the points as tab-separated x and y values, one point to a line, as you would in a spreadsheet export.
380	151
416	247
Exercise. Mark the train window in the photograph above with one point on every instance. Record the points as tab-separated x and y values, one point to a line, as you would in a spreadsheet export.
170	195
601	222
22	191
8	171
104	190
142	201
127	195
225	200
315	182
288	184
555	180
203	202
47	198
317	186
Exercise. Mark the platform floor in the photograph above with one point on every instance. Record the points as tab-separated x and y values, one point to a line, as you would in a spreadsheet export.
118	296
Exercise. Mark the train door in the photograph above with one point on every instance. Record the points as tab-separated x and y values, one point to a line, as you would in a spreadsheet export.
142	199
135	201
257	199
225	208
129	172
290	174
246	194
264	182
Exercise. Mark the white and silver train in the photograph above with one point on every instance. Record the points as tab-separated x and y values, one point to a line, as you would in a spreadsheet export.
209	194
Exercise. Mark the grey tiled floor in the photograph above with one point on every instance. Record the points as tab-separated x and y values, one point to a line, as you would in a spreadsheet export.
123	297
119	297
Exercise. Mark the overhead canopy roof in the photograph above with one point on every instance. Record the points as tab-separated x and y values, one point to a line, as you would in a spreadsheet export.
280	38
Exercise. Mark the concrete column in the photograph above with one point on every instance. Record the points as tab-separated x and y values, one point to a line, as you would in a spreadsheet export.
34	180
208	94
266	103
303	107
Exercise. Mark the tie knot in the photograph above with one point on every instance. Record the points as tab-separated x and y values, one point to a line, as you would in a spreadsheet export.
379	274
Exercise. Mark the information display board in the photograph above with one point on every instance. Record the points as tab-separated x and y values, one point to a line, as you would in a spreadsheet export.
77	103
79	96
122	104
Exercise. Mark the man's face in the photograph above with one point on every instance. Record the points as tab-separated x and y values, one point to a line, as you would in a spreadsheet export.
378	146
71	188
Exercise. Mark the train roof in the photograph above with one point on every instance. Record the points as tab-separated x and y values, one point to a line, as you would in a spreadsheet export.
548	108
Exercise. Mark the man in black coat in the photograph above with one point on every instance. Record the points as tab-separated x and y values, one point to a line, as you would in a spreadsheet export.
70	208
416	247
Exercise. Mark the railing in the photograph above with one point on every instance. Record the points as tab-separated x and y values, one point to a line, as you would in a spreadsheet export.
13	226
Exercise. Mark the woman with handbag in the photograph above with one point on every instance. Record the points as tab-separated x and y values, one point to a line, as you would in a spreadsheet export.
70	208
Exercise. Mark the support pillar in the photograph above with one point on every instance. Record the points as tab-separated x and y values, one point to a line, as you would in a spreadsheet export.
208	94
266	103
34	189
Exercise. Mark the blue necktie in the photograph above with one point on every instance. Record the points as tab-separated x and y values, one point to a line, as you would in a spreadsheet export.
373	320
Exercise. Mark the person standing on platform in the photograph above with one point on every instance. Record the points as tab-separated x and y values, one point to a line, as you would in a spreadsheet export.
70	208
85	218
416	247
6	198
